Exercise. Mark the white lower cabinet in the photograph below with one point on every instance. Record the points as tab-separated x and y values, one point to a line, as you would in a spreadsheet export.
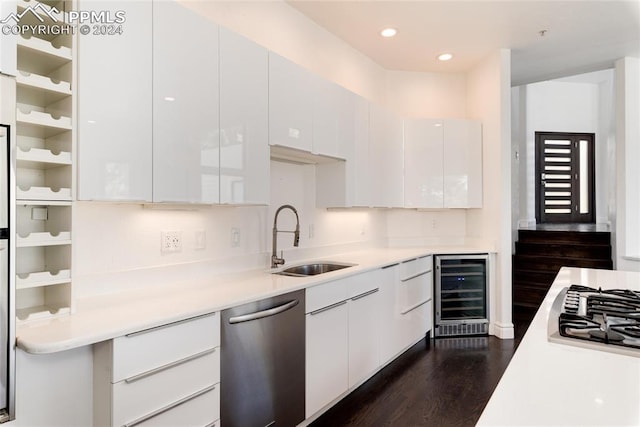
364	326
407	306
168	375
327	365
342	341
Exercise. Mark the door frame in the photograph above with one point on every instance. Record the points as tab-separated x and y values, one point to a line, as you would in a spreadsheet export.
574	216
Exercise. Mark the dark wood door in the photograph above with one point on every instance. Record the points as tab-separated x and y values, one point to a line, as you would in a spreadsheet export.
565	178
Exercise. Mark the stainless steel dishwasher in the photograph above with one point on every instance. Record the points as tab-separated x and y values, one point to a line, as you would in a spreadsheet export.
263	362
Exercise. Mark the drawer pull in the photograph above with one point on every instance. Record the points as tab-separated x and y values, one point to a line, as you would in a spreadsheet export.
389	266
413	307
169	407
168	366
327	308
415	275
366	294
213	424
168	325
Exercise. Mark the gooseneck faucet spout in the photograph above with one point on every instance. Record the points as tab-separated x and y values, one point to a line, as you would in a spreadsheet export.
275	260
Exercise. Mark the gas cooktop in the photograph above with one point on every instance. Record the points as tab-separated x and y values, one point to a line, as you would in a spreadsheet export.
607	320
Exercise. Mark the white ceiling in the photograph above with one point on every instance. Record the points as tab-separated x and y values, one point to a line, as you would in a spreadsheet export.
581	35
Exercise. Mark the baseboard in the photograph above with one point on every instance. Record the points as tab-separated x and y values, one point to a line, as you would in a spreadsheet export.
504	331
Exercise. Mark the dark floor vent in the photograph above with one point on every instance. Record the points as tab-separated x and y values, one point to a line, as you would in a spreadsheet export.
462	329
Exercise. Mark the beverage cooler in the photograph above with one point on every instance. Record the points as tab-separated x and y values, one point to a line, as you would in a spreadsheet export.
461	295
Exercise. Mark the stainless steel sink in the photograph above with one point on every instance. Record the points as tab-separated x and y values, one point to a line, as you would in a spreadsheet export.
313	269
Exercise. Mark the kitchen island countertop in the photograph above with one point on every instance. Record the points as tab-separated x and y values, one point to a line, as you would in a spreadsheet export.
109	316
555	384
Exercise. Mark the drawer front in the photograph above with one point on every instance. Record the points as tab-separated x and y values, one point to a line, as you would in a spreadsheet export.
199	410
415	291
324	295
147	350
138	397
408	269
363	283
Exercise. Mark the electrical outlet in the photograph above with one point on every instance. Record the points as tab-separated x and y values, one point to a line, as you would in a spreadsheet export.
312	231
171	241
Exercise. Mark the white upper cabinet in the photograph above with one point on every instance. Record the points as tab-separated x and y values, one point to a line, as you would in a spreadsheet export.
347	184
291	92
386	157
8	54
244	120
462	164
115	107
185	106
443	163
333	119
359	169
423	157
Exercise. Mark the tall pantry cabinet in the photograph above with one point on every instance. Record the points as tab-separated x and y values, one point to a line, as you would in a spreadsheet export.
44	162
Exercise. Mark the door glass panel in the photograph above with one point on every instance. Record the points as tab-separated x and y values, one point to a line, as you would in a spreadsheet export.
584	177
557	211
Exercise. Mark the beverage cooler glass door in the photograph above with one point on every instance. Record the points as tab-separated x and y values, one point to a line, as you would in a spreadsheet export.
461	289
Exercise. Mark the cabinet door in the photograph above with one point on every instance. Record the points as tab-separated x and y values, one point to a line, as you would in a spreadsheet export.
359	169
462	164
8	53
290	104
185	106
423	156
330	116
343	183
244	120
114	107
364	338
386	158
391	342
327	369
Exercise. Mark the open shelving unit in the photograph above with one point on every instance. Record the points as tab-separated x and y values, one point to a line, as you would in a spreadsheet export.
44	164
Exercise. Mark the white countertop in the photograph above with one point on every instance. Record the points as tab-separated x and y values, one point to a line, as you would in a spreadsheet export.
553	384
109	316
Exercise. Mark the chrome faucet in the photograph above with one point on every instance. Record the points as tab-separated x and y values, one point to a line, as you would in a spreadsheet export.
275	261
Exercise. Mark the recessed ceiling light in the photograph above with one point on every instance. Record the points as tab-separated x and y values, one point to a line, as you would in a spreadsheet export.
169	98
388	32
445	56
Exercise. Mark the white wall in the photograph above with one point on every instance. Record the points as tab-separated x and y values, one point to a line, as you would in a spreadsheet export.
580	103
435	95
627	224
489	100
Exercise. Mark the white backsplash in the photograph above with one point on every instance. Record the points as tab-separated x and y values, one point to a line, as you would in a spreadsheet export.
117	246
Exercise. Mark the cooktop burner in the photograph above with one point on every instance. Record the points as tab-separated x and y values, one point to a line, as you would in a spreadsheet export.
607	320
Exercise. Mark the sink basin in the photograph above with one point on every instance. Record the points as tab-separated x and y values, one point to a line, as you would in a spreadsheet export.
313	269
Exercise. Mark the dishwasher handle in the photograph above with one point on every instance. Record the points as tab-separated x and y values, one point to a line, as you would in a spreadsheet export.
264	313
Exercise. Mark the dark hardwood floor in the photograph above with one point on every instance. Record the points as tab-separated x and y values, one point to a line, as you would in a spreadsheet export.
446	383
